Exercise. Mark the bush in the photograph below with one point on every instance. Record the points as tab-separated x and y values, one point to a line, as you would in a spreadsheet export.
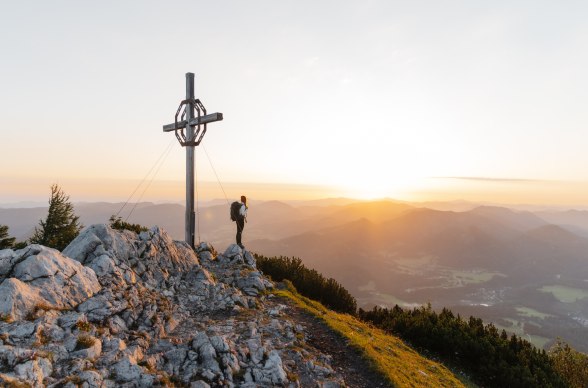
571	364
308	282
119	224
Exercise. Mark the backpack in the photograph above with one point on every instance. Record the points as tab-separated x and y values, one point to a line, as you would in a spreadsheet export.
235	207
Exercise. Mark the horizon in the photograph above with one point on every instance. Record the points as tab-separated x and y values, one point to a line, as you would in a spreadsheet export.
265	192
501	192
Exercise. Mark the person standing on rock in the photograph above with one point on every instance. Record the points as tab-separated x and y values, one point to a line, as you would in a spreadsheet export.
239	215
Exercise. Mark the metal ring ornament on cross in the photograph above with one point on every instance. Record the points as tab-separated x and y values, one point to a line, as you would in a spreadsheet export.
199	107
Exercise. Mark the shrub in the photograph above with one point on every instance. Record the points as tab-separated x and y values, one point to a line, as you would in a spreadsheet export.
571	364
308	282
119	224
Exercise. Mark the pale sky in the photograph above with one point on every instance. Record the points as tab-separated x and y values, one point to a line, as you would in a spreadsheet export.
400	99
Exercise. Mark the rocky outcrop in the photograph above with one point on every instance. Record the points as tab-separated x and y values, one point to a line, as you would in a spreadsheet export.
42	278
120	309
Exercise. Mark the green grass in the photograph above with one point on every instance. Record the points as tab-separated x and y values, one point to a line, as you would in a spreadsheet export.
532	313
392	358
566	294
462	278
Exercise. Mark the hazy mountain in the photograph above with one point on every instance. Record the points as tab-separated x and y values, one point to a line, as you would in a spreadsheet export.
573	220
520	220
21	221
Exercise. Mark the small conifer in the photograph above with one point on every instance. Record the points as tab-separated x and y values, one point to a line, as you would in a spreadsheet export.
61	225
5	241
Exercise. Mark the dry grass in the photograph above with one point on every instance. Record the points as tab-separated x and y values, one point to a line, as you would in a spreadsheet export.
400	364
14	384
84	326
41	308
84	342
42	338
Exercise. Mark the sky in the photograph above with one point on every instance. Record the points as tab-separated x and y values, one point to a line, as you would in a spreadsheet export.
414	100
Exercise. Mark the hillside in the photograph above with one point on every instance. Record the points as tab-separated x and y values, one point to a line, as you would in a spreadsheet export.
121	309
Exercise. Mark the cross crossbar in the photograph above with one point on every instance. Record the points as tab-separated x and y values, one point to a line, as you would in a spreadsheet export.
210	118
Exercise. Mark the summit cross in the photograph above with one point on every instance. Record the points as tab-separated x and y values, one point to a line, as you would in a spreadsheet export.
193	120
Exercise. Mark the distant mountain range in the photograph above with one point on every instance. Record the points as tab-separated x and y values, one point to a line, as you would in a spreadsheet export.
525	271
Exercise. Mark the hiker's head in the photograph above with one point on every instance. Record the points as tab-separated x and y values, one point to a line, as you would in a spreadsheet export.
243	199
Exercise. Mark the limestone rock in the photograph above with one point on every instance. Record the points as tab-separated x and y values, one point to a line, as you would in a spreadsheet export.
91	379
40	277
126	370
34	370
115	253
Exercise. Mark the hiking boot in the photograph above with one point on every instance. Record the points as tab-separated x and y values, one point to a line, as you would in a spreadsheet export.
241	246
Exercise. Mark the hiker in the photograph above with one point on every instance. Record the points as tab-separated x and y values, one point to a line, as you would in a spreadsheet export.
239	214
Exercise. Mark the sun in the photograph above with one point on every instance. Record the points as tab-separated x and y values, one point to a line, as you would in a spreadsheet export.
368	193
372	187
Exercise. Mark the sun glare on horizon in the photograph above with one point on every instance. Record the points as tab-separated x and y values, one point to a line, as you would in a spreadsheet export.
372	185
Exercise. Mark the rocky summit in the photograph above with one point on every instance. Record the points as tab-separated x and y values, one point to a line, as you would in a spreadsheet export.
121	309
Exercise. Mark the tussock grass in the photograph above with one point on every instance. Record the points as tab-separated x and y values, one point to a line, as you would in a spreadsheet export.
84	341
84	326
392	358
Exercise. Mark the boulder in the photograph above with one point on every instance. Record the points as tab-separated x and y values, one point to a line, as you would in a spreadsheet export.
97	240
41	277
126	370
34	370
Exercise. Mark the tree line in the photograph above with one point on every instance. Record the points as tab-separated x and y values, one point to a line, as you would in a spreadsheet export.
308	282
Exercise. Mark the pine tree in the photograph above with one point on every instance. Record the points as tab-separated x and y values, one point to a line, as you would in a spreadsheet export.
61	225
5	241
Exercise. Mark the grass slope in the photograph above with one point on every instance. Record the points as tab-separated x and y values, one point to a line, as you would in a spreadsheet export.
400	364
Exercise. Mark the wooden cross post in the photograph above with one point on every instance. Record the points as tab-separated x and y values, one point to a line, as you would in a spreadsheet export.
194	134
